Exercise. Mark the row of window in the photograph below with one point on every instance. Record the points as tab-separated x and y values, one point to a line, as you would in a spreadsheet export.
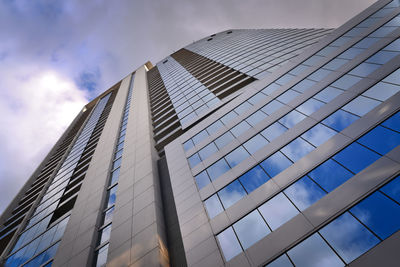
35	231
311	187
350	235
105	230
333	64
299	147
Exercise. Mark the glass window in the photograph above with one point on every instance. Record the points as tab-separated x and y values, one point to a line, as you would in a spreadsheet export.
271	88
232	193
392	189
346	81
393	122
108	215
361	105
299	69
101	256
208	151
117	163
242	108
282	261
277	211
356	157
194	160
310	106
351	53
393	78
381	139
284	79
218	168
250	229
229	244
275	163
200	137
382	91
49	253
296	149
46	239
105	234
364	69
304	85
348	237
228	117
202	179
378	213
304	193
256	98
111	196
271	107
240	128
335	63
213	128
255	143
114	176
314	252
254	178
60	230
366	42
318	134
288	96
224	139
256	118
213	206
118	154
292	118
328	94
340	120
330	175
273	131
382	57
236	156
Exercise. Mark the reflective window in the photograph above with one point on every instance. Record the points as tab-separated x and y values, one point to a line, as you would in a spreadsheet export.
282	261
319	75
310	106
202	179
213	206
361	105
218	168
114	176
276	163
277	211
330	175
382	57
236	156
314	252
213	128
356	157
306	84
250	229
340	120
378	213
292	118
240	128
382	91
273	131
271	88
194	160
224	139
364	69
108	215
328	94
271	107
348	237
208	151
288	96
256	118
318	134
229	243
232	193
335	63
242	108
105	234
253	178
304	193
296	149
200	137
188	145
381	140
117	163
392	189
393	122
255	143
101	256
346	81
228	117
111	196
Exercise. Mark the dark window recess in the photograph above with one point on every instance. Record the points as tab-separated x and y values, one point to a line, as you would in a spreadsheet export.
212	35
165	61
228	32
209	39
63	209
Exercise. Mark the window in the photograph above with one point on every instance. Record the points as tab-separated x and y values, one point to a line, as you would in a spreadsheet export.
254	178
356	157
275	163
250	229
229	244
236	156
232	193
304	193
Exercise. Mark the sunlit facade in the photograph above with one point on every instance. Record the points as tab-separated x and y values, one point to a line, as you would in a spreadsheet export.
246	148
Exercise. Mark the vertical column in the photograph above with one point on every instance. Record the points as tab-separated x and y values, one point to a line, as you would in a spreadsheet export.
138	234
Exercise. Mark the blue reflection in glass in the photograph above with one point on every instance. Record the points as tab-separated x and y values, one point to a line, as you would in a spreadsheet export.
255	143
382	57
228	117
296	149
356	157
218	168
194	160
242	107
282	261
202	179
335	63
273	131
304	193
305	84
213	206
256	98
112	196
224	139
364	69
378	213
229	244
256	118
288	96
330	175
271	88
319	74
328	94
381	139
275	163
361	105
250	229
240	128
340	120
214	127
393	122
318	134
346	81
351	53
272	106
392	189
292	118
394	77
310	106
314	252
382	91
277	211
254	178
207	151
199	137
348	237
232	193
236	156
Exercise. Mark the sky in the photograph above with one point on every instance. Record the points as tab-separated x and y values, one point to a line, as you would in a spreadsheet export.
55	56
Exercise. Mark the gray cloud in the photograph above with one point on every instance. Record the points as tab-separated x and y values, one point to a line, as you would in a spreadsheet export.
87	46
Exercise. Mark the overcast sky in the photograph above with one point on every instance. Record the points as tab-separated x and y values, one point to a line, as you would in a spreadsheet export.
57	55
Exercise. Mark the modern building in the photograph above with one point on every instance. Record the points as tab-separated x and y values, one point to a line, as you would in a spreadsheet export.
272	147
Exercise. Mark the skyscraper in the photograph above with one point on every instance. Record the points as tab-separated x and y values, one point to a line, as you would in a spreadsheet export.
246	148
